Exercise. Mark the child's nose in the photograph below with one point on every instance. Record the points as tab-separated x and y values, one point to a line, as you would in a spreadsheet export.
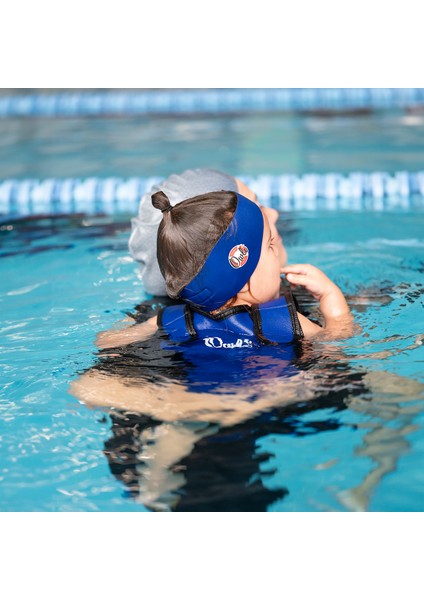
272	215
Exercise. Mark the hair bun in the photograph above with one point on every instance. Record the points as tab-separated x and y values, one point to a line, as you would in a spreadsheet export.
161	201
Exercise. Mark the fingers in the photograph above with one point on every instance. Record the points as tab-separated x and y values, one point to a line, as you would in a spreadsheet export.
306	276
297	279
298	269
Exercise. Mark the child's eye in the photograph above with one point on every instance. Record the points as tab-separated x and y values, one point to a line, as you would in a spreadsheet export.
271	242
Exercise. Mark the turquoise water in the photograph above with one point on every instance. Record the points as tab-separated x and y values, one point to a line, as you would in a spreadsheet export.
345	434
251	144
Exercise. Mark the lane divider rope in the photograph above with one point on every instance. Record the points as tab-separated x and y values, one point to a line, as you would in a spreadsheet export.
174	101
114	195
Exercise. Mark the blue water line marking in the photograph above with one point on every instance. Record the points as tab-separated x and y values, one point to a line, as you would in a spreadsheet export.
144	102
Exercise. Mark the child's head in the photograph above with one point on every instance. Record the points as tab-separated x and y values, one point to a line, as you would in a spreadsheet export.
212	247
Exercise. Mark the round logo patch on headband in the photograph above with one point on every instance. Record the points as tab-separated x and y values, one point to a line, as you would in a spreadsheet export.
238	256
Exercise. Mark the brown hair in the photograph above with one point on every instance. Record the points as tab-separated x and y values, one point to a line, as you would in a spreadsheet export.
187	234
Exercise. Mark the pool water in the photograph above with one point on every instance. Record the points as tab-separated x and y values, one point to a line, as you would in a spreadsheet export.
344	433
251	144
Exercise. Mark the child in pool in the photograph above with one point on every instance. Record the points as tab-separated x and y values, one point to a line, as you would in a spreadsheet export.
179	187
217	252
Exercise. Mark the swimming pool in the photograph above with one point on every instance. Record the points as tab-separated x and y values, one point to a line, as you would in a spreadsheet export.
250	144
344	433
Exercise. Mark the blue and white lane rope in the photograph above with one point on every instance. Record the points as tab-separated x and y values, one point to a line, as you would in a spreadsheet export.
145	102
113	195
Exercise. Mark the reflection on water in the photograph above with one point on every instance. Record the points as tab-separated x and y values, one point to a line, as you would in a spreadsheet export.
191	465
175	448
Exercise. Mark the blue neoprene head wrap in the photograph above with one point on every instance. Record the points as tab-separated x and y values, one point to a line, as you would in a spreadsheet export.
232	261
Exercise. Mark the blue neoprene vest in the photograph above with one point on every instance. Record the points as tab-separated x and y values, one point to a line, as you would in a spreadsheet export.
240	345
272	323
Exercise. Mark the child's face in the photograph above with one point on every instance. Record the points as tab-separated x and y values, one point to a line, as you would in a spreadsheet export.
272	215
265	281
